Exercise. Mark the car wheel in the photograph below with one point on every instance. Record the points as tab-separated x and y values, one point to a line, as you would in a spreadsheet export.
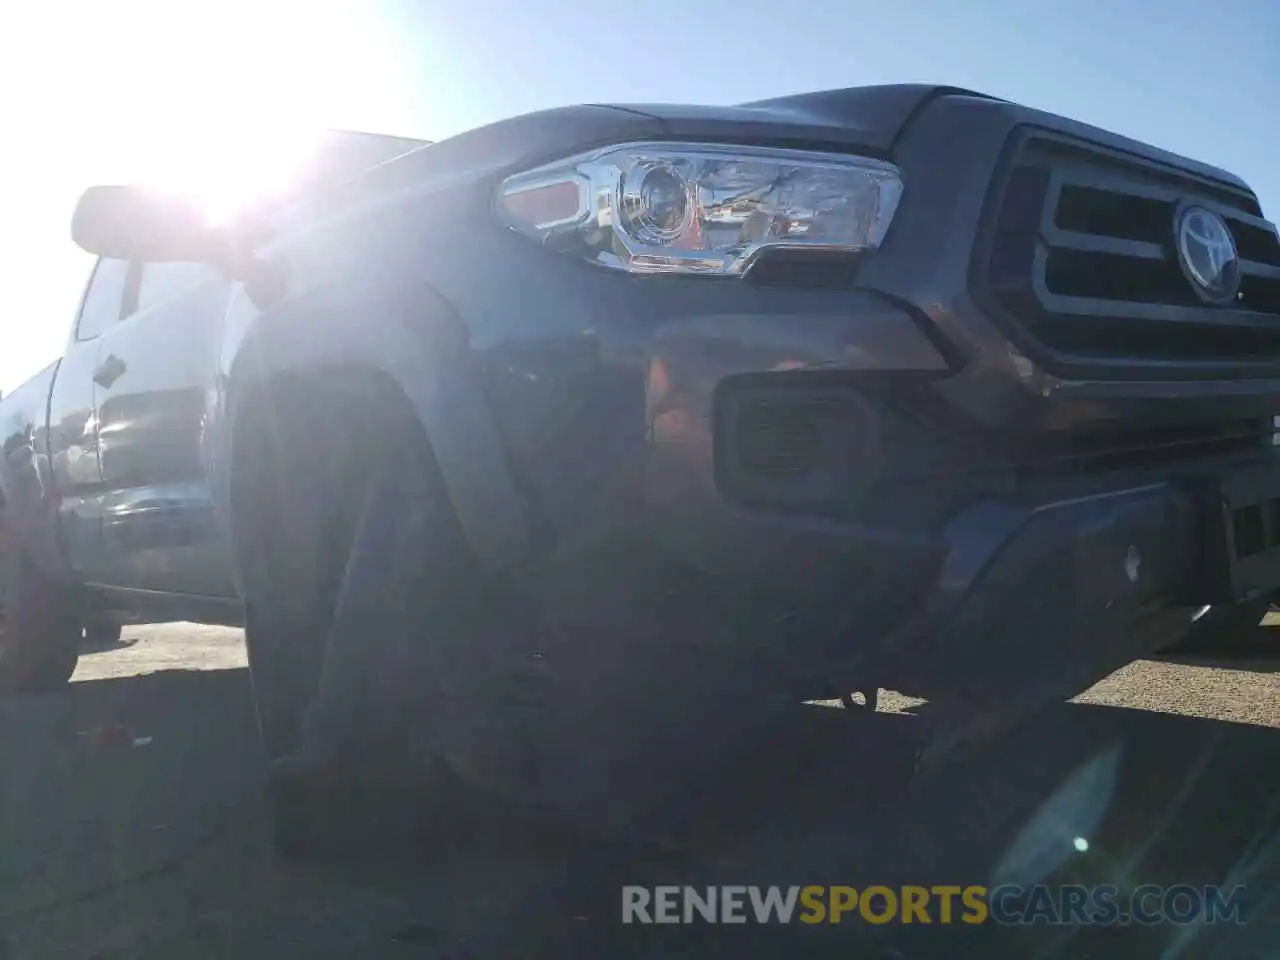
291	534
40	630
296	507
1225	629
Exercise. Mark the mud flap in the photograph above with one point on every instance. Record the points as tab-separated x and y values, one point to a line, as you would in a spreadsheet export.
406	571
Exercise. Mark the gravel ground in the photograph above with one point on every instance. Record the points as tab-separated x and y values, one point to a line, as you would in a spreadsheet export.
133	825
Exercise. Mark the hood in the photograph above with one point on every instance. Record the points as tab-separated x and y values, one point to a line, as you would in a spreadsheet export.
869	117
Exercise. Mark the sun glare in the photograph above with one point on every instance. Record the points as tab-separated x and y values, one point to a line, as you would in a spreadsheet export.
245	98
231	168
218	99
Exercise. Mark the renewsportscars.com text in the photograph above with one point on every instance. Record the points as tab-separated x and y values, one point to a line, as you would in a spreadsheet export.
1103	905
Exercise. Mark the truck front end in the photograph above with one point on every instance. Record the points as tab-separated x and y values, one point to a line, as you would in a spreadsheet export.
916	387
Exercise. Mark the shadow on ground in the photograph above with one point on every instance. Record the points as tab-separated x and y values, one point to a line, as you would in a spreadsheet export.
107	646
1257	650
133	825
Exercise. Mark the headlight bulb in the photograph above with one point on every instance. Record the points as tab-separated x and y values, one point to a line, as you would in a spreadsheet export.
656	202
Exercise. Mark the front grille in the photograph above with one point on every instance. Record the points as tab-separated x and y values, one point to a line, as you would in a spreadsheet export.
930	440
1139	448
1080	261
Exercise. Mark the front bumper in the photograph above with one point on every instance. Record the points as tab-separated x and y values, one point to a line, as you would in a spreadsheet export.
1014	600
973	585
911	556
1037	601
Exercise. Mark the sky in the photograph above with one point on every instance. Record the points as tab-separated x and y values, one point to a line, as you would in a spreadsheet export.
135	90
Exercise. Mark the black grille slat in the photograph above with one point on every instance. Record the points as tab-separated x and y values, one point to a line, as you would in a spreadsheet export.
1163	341
1257	244
1105	274
1104	213
1081	261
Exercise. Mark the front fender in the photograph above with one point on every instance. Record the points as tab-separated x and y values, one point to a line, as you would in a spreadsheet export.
408	332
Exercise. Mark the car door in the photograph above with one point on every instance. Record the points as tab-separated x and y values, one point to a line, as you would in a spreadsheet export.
155	379
72	441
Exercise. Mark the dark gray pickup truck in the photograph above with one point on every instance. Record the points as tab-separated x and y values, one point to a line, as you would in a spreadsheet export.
891	386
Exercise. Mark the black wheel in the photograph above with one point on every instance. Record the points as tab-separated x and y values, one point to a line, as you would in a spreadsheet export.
297	505
40	634
294	509
1225	630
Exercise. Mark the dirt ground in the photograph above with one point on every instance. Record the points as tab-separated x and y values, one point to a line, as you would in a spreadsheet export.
134	825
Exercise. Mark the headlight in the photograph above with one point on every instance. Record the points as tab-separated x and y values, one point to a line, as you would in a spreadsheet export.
701	208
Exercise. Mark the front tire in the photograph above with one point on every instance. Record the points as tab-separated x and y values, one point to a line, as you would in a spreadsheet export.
40	635
293	527
297	506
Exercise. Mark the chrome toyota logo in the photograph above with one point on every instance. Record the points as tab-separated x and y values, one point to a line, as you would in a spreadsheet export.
1207	253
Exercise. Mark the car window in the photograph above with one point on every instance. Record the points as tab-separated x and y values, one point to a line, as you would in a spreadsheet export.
163	281
102	300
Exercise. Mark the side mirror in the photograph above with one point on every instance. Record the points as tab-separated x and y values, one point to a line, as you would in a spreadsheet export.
133	223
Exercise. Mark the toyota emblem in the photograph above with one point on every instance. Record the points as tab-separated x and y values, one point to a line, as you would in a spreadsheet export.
1207	253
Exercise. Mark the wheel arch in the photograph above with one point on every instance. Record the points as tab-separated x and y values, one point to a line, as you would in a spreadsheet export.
409	335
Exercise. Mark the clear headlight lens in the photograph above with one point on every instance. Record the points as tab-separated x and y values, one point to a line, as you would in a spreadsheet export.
701	208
